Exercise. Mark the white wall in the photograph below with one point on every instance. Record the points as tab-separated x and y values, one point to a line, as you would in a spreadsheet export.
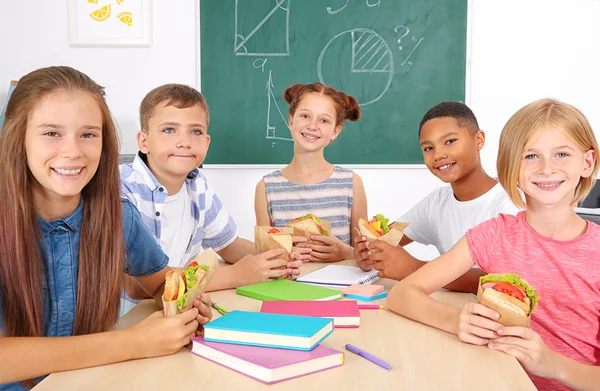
520	50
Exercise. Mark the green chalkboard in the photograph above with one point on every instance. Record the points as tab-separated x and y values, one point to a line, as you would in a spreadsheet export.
397	57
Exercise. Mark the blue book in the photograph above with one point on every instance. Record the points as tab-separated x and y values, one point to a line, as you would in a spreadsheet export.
271	330
380	295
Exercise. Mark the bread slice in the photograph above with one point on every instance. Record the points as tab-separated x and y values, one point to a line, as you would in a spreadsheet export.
285	239
307	225
367	230
513	312
506	301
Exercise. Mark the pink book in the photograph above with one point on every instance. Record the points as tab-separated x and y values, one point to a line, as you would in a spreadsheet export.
344	313
363	290
268	365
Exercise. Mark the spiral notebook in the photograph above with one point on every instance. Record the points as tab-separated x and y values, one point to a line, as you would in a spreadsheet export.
339	275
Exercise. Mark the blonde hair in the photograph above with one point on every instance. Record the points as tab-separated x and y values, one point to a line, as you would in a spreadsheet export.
524	124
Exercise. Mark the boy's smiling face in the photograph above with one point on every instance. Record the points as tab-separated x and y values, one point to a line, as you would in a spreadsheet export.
450	152
176	140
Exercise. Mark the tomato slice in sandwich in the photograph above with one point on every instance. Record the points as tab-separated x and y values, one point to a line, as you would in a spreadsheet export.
510	290
274	231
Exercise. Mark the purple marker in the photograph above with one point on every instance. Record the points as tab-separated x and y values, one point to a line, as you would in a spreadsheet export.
368	356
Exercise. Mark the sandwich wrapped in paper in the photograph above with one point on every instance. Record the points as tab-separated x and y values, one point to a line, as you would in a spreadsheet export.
309	225
184	286
378	229
509	295
269	238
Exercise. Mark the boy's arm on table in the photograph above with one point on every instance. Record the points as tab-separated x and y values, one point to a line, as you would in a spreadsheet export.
237	250
397	263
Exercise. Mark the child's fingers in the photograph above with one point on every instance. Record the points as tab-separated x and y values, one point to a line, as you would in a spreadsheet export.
293	272
305	257
377	265
275	262
518	331
485	323
361	246
366	263
482	310
481	332
273	253
294	264
319	256
299	239
472	339
512	350
326	240
514	341
321	249
301	250
360	240
188	316
277	273
379	245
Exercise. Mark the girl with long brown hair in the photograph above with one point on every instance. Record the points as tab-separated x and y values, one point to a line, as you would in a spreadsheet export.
66	237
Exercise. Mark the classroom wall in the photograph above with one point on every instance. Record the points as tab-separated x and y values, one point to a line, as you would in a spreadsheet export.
518	51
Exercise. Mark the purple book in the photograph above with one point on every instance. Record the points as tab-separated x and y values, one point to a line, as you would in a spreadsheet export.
268	365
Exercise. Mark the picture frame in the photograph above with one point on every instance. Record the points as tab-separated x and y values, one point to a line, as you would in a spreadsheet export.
110	22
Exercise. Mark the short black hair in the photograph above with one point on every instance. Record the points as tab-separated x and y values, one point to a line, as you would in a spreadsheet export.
459	111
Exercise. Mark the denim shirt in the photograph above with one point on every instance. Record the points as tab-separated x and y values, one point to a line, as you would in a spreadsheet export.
60	248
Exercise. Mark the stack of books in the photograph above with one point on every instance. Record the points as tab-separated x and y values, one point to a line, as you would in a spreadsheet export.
269	347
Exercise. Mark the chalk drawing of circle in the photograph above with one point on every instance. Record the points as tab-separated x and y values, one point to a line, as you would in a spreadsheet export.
358	62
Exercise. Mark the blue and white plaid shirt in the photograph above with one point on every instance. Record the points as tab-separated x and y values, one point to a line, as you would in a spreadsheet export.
214	226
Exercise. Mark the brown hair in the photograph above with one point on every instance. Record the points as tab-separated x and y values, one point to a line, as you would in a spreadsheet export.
101	246
524	124
178	95
346	106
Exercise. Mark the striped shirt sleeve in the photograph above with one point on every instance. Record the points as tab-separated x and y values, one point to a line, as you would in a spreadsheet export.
219	228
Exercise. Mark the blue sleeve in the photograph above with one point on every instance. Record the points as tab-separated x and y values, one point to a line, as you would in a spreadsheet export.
144	255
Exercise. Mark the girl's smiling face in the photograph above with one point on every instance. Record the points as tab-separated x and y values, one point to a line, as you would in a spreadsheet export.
313	125
552	164
63	144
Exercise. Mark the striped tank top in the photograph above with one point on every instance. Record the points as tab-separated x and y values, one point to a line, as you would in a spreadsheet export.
329	200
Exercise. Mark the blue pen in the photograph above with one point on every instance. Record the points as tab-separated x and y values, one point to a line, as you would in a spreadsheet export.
368	356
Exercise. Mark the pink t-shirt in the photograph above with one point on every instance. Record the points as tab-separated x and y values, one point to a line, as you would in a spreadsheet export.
566	275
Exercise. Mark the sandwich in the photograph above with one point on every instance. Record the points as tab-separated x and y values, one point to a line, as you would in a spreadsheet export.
270	238
309	225
378	228
509	295
184	286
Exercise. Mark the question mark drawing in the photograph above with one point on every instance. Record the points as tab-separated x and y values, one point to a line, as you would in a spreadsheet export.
407	30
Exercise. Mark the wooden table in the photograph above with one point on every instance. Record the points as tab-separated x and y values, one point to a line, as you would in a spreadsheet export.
422	358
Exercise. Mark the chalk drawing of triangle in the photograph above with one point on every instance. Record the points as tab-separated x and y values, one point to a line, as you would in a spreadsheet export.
269	37
277	127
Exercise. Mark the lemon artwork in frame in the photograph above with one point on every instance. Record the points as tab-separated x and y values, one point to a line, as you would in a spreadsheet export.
109	22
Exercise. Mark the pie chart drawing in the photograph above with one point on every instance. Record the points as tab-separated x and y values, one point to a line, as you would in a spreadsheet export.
358	62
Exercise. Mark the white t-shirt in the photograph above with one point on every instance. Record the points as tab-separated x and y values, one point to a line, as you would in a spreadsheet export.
441	220
177	226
